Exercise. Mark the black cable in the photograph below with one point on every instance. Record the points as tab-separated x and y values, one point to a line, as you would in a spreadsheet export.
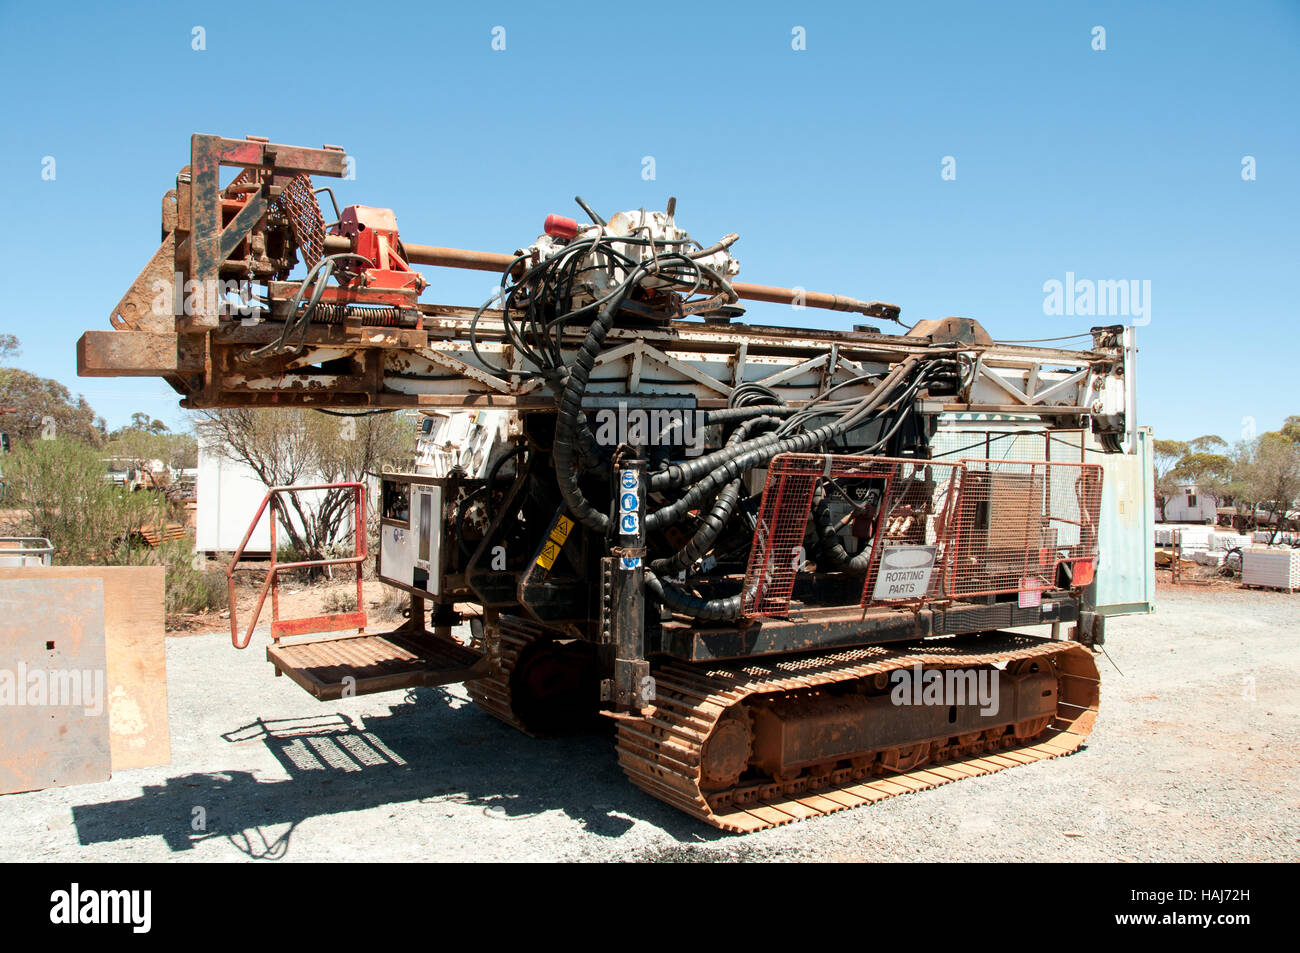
589	210
719	610
317	278
715	521
762	449
359	413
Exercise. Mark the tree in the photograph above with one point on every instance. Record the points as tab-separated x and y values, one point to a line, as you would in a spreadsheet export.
146	439
60	488
1207	444
145	424
59	491
1266	474
1291	428
295	445
44	408
1166	454
1211	472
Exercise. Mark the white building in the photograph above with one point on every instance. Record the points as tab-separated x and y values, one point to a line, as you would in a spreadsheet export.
228	495
1189	505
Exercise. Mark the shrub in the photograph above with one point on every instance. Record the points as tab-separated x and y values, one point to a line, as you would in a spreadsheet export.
189	588
340	601
61	487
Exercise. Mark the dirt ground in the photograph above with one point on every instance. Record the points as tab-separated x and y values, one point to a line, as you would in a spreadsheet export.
1196	757
298	600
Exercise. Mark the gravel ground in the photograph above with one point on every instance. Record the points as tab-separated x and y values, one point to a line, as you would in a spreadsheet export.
1195	758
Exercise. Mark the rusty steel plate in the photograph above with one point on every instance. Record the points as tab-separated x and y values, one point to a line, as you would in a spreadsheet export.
53	684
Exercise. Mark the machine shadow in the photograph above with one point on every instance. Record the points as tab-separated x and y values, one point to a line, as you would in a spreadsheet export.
431	748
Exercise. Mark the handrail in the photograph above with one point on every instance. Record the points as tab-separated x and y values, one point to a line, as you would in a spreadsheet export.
316	623
22	551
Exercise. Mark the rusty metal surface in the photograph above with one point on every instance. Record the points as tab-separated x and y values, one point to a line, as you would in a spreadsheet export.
298	203
392	367
52	649
503	643
247	230
435	256
136	311
670	755
363	664
213	222
815	299
804	729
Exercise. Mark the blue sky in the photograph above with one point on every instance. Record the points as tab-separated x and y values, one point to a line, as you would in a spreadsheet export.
1117	164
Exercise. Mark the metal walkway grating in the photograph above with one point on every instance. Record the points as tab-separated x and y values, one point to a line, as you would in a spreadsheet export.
367	663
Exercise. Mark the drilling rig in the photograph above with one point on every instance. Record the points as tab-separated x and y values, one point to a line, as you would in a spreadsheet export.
735	544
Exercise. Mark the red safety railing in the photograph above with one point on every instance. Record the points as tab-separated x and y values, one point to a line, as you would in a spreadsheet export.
904	502
930	529
1016	521
322	623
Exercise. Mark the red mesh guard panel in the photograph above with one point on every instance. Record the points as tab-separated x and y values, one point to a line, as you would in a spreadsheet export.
1016	520
961	529
889	502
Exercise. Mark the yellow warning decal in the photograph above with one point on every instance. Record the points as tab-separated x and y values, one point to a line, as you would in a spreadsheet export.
549	552
561	531
555	542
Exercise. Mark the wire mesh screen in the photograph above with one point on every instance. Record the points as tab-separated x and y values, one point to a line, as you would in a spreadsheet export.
924	529
893	507
1064	446
1015	521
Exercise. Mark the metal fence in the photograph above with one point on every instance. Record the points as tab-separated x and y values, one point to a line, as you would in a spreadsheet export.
885	502
1016	521
923	529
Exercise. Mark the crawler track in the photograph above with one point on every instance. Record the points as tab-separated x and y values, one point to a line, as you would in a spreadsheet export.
543	685
493	694
663	751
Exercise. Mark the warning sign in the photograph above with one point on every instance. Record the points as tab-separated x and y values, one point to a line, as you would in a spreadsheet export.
550	552
561	531
904	572
1031	592
555	542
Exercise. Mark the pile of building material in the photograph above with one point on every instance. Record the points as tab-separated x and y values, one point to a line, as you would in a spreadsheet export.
83	673
1283	539
1271	568
1223	541
1190	536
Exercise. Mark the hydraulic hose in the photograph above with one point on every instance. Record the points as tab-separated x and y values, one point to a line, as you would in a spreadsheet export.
761	450
716	519
717	610
566	424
